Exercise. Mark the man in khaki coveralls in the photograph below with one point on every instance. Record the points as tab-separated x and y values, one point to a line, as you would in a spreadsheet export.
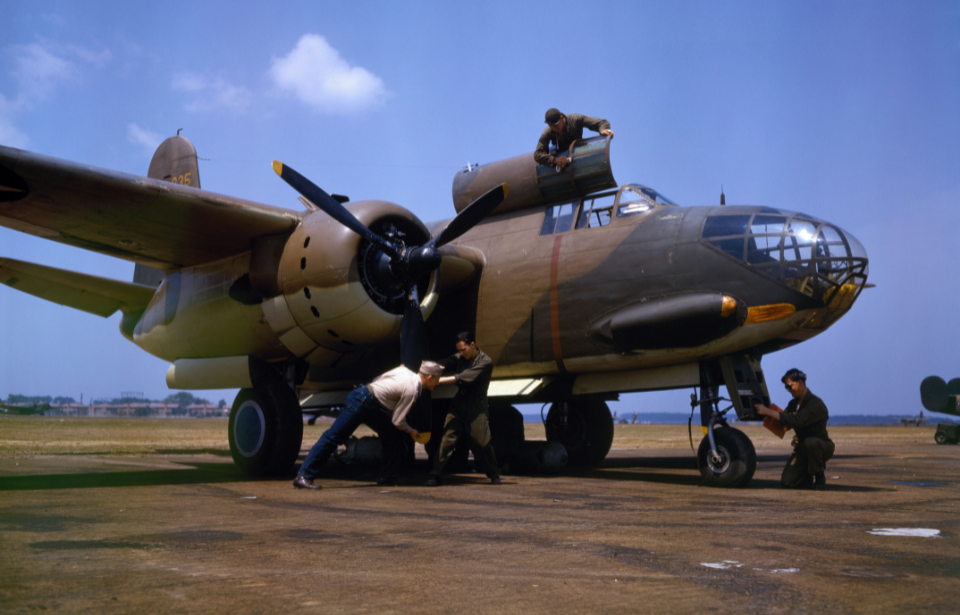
468	410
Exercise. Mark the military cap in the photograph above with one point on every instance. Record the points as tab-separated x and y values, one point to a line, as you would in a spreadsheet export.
431	369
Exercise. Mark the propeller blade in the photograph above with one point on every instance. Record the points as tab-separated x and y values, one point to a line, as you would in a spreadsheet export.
331	206
471	215
413	333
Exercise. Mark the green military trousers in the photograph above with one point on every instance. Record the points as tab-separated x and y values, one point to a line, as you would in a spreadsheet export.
808	459
471	418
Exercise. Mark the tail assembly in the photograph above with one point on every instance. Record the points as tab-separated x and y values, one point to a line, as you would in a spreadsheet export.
174	161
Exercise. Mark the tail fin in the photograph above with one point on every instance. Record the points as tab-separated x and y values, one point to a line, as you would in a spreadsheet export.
174	161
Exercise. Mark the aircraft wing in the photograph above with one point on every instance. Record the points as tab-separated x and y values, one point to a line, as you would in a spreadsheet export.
93	294
147	221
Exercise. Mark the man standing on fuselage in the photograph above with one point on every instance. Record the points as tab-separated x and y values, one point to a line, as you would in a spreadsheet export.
562	130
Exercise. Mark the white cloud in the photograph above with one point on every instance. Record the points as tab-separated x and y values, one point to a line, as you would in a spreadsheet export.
147	139
42	66
315	73
97	58
9	135
39	71
211	93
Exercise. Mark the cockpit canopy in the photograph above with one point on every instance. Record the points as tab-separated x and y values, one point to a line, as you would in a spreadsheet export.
807	254
597	210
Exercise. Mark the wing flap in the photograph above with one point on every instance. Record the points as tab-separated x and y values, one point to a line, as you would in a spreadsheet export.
147	221
89	293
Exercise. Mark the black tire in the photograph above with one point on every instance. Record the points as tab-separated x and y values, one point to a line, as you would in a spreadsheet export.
506	431
940	437
439	415
737	463
265	430
586	432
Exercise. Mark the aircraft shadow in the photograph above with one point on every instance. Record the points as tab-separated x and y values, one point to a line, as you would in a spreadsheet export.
609	470
218	452
192	474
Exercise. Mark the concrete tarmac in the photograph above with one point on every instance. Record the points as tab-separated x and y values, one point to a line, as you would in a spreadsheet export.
186	533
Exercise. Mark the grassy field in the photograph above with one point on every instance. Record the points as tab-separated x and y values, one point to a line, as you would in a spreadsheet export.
22	437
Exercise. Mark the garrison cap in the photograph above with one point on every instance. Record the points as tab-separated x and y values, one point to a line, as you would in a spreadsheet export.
431	369
552	116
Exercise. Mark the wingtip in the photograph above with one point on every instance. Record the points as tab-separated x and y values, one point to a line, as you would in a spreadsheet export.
278	167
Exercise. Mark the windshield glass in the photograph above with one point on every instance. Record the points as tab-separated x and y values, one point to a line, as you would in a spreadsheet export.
805	253
633	193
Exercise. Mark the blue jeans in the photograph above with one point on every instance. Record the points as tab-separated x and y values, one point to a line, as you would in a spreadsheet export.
360	407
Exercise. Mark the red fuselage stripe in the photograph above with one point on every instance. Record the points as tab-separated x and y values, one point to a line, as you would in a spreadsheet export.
555	304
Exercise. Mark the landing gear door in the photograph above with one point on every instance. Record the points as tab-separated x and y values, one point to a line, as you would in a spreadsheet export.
745	385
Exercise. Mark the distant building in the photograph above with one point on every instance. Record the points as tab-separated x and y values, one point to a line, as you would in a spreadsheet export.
139	409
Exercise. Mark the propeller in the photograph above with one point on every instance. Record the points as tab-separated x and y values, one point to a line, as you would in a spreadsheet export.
407	263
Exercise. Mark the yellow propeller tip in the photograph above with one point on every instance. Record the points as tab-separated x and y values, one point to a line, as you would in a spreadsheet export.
506	190
278	167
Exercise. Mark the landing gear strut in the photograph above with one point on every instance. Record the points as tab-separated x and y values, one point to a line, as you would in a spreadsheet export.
726	457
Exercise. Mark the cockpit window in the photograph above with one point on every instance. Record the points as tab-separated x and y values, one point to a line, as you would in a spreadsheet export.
633	201
655	196
721	226
799	250
596	211
559	219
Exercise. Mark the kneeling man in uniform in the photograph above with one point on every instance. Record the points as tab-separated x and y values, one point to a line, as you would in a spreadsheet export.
807	415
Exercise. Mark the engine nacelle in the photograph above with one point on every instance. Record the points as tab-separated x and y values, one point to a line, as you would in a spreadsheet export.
338	293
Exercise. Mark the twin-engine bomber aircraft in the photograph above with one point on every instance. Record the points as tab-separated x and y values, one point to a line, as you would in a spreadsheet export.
577	289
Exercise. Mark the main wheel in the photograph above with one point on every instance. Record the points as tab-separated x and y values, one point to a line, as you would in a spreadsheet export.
584	427
439	415
506	431
736	459
940	437
265	430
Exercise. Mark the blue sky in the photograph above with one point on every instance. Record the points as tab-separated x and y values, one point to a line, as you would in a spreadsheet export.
849	111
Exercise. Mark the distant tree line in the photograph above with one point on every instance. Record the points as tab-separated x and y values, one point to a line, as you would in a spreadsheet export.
183	399
37	399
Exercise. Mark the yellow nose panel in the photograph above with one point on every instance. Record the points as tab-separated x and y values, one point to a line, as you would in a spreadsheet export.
767	313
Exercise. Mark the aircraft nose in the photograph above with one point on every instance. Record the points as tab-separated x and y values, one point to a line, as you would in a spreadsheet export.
815	257
822	260
837	273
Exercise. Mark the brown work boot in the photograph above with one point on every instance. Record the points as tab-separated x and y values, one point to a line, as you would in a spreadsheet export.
820	481
302	482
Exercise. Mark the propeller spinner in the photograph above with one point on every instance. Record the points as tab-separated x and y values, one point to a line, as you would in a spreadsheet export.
406	263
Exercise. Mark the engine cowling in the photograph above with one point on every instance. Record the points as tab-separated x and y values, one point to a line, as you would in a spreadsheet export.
337	291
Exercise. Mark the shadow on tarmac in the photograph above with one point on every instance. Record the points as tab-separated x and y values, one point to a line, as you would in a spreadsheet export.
191	474
610	470
218	473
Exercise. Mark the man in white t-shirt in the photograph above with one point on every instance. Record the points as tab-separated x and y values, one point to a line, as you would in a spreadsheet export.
383	405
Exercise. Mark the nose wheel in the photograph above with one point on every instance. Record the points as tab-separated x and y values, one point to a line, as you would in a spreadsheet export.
726	456
731	462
